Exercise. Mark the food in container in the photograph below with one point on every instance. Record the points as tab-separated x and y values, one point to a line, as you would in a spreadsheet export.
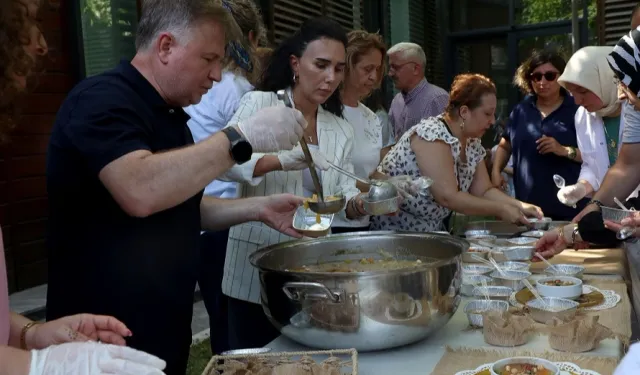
560	287
505	329
522	240
517	252
493	292
572	270
579	335
471	281
514	266
474	309
311	224
481	251
476	269
524	366
511	279
333	310
330	205
552	308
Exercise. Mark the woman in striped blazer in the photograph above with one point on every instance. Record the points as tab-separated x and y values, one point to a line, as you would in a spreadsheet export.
309	66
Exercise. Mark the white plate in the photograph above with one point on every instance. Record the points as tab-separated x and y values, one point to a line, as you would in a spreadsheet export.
566	368
611	298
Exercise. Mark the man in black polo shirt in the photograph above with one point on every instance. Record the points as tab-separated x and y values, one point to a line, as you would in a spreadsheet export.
125	180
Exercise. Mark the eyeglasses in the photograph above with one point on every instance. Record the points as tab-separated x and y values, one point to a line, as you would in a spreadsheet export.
395	68
549	76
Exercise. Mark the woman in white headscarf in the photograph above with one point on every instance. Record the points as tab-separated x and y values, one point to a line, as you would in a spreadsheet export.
598	120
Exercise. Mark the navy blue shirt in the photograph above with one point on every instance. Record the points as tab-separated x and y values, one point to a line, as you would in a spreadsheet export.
103	261
532	171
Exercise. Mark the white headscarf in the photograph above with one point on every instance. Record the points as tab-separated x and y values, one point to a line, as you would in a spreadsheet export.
588	68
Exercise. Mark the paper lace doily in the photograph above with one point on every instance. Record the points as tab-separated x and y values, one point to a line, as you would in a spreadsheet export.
611	299
566	368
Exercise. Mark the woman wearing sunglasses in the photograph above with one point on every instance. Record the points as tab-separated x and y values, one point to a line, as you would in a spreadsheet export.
541	137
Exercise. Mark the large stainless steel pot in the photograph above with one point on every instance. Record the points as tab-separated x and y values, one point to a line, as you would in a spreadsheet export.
366	310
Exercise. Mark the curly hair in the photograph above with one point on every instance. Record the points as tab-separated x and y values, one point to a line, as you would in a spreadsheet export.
522	78
15	27
278	74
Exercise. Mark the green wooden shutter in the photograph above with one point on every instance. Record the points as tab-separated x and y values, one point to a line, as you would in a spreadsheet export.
108	33
617	19
288	15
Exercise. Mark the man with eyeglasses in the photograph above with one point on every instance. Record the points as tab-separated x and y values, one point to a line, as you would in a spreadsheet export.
417	98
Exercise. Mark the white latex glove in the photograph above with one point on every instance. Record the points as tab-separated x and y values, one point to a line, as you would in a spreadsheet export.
294	160
630	364
273	129
570	195
88	358
410	187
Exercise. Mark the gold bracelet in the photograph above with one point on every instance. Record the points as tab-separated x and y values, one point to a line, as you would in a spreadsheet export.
23	334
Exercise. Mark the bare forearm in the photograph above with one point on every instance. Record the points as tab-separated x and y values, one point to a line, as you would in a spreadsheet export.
145	183
266	164
496	195
14	361
620	181
468	204
217	214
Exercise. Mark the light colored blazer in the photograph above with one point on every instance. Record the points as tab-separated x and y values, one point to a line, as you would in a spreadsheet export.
335	140
593	146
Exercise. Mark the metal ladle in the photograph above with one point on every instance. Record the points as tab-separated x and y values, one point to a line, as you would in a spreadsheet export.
380	190
282	95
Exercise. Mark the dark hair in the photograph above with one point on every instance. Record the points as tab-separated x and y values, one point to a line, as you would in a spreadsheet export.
278	73
468	90
553	56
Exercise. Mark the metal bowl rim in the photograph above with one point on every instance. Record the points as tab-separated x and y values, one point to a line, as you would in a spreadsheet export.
255	257
499	304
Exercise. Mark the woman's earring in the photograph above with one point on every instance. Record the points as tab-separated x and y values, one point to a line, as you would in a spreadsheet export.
295	77
462	125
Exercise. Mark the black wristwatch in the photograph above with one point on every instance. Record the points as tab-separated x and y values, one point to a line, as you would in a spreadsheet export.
240	148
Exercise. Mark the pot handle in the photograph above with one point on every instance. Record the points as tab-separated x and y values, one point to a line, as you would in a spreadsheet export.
291	289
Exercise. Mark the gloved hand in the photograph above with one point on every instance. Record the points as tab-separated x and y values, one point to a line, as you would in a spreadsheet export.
630	364
570	195
294	160
273	129
90	358
410	187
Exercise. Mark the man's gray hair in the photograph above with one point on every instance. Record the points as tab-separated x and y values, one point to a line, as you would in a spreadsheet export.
178	17
410	51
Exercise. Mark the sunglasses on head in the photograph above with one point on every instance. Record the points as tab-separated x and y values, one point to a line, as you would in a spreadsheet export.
549	76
